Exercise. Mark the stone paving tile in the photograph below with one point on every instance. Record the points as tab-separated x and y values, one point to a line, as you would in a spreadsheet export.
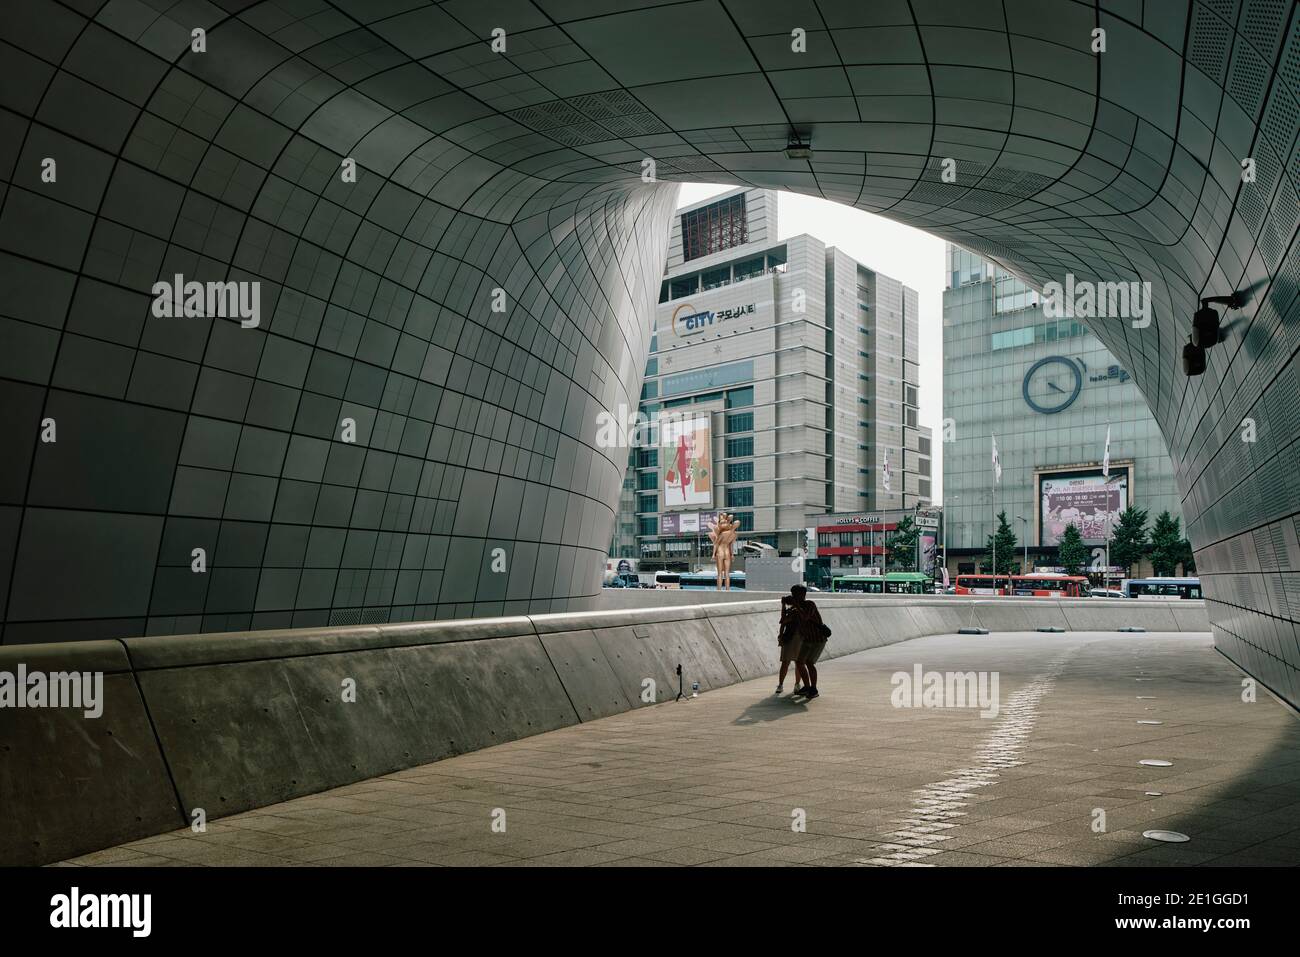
715	781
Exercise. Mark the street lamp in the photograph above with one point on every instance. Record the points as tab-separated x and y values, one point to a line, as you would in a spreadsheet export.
1024	570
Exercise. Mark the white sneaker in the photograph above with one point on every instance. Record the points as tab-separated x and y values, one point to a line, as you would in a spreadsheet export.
778	690
798	689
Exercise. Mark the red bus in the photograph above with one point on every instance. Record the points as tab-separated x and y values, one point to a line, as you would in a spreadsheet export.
1046	584
981	585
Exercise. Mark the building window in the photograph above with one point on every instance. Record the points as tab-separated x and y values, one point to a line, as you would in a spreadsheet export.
923	445
746	520
740	448
739	398
741	422
743	496
647	503
750	267
740	471
712	228
647	481
714	278
684	286
650	390
647	458
1012	338
923	488
648	526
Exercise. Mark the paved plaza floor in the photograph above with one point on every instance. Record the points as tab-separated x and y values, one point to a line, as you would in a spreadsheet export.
739	777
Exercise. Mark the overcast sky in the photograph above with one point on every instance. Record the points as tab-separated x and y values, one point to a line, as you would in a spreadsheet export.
912	257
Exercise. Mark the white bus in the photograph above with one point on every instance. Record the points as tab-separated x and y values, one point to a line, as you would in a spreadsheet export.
1163	589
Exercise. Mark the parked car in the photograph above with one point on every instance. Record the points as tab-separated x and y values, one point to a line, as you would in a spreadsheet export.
1105	593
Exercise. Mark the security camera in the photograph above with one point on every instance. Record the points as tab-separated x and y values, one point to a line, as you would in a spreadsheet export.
1205	327
1205	324
1193	359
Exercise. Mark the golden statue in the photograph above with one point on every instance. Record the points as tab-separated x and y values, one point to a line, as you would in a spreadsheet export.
722	533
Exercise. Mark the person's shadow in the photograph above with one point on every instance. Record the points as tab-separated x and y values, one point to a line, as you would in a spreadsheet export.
770	708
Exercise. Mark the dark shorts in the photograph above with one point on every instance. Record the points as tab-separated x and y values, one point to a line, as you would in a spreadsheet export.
811	651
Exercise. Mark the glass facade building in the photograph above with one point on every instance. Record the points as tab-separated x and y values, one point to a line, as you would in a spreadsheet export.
1047	389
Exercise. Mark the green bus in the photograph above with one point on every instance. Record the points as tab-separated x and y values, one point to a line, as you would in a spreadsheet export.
892	583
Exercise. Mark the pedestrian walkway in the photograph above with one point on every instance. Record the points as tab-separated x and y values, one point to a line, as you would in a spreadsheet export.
739	777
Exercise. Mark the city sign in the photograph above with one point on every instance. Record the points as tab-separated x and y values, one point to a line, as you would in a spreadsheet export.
687	321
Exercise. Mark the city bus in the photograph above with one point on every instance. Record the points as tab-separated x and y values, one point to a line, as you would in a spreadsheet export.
1049	585
1163	589
908	583
863	584
893	583
981	585
707	581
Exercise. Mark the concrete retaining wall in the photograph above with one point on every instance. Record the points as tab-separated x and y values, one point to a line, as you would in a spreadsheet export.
229	722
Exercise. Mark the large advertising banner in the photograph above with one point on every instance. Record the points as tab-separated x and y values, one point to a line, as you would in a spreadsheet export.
1085	499
686	446
685	523
929	552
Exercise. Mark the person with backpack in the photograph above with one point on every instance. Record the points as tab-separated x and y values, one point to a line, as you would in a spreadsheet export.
812	632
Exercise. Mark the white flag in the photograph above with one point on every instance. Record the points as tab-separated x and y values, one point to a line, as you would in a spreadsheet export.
886	472
1105	460
997	462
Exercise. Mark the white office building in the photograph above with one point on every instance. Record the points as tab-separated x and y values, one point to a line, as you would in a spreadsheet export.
800	366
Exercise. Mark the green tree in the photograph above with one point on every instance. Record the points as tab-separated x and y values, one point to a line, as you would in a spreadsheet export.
1167	544
1128	542
1006	551
900	545
1072	554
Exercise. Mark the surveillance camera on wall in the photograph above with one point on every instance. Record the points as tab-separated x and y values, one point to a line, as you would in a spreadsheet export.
1193	359
1205	323
1205	327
